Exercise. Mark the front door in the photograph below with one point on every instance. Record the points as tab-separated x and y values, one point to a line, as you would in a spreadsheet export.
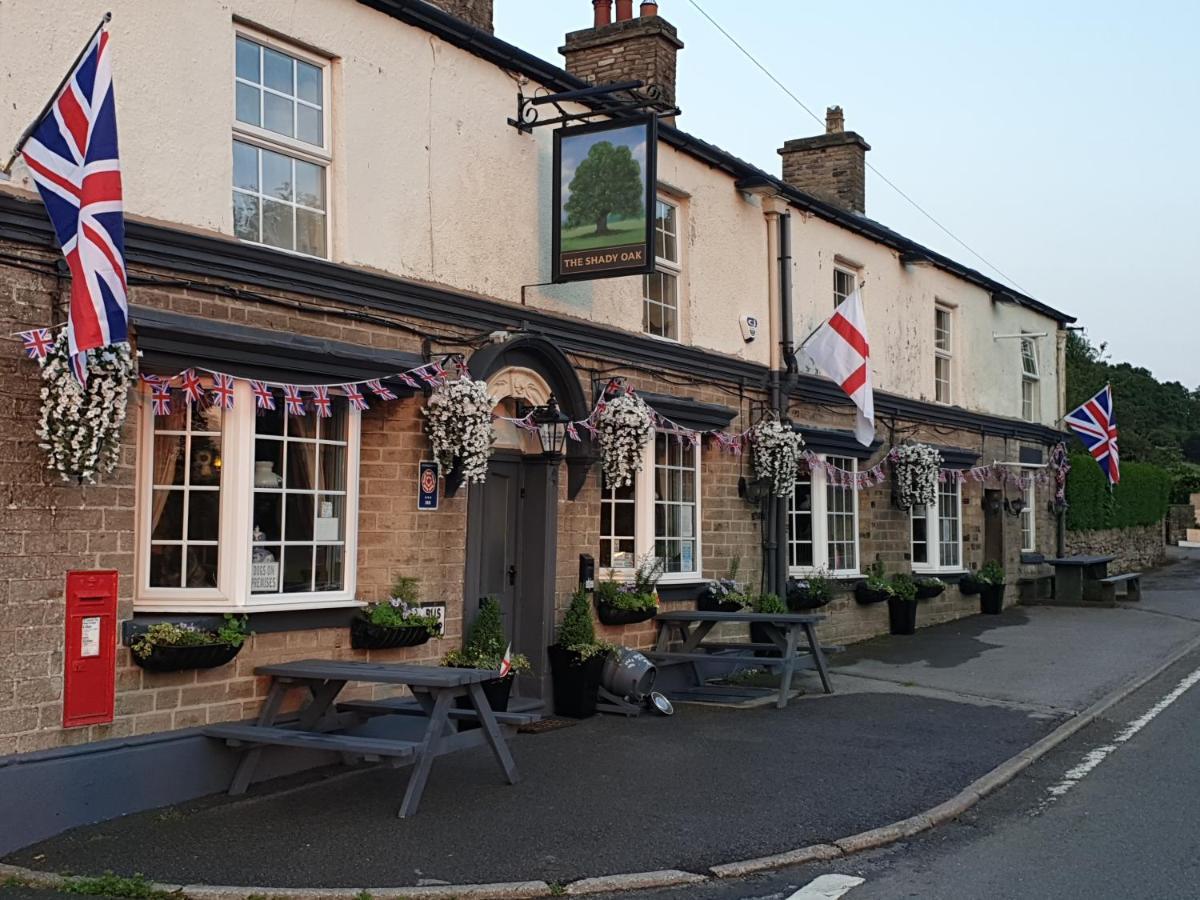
993	526
499	546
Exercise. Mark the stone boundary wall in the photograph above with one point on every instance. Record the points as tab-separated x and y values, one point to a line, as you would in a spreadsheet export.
1180	518
1135	549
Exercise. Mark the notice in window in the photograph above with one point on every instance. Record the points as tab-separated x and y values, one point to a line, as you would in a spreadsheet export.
89	641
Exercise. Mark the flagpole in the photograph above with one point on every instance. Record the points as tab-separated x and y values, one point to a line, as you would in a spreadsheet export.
28	132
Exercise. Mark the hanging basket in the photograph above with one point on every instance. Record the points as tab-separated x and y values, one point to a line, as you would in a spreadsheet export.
366	635
612	615
165	658
865	594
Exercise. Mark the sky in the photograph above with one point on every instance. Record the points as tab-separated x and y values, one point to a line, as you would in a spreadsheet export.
1056	139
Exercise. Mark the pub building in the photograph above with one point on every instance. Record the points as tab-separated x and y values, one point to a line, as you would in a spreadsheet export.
368	191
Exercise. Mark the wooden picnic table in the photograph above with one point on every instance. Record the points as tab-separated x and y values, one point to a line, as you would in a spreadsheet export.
1078	578
785	630
434	687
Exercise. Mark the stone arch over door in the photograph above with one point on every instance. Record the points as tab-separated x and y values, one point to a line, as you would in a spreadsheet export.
512	519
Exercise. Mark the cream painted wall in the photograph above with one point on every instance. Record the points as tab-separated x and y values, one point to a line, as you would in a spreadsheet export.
899	303
429	182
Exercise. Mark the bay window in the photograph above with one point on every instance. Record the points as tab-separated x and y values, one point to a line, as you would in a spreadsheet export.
659	514
937	531
246	508
823	521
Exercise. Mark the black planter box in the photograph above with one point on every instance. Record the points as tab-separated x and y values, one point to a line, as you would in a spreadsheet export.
902	615
365	635
991	599
176	659
708	601
800	599
865	594
576	682
927	592
497	691
611	615
969	586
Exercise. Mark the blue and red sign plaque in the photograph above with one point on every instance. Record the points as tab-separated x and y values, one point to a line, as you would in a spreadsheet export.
427	485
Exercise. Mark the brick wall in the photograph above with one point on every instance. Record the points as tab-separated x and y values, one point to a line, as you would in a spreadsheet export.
476	12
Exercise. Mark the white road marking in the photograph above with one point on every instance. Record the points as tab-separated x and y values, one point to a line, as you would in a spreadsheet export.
1096	756
827	887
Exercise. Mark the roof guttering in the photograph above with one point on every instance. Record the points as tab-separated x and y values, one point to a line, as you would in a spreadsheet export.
491	48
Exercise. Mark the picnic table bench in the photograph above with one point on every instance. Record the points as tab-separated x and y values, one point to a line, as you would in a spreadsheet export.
434	690
1132	582
786	632
1079	578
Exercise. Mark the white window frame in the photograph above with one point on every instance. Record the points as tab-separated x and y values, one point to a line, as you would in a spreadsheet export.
818	480
848	272
666	268
265	139
1031	382
944	354
644	536
232	593
1029	519
933	540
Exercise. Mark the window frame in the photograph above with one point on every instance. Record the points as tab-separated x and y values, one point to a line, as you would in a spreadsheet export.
645	539
1028	519
933	542
1031	382
665	268
943	354
852	274
819	486
236	524
264	139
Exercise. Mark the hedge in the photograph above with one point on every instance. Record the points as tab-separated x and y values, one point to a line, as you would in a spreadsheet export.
1141	497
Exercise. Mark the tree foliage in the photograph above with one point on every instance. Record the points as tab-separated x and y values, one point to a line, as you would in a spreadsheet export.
608	182
1140	498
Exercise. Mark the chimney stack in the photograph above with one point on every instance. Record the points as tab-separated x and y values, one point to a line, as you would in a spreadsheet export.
830	166
473	12
629	49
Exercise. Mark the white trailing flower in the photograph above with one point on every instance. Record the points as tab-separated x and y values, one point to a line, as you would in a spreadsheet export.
80	428
915	470
624	429
458	420
776	452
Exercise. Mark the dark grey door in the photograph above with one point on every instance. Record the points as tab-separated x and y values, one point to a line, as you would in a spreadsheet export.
499	544
993	526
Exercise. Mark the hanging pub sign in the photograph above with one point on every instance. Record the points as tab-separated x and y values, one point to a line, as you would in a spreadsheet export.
604	199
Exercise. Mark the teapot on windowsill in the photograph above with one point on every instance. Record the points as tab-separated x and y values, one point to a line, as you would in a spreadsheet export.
265	475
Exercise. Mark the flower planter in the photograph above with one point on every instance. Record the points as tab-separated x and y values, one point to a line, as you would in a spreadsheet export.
902	615
969	586
365	635
865	594
801	599
497	692
928	592
706	603
612	615
991	599
165	658
576	682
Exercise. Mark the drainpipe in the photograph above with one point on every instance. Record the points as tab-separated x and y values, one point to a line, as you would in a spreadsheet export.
784	381
773	555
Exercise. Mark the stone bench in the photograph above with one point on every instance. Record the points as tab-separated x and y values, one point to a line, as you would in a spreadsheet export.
1132	582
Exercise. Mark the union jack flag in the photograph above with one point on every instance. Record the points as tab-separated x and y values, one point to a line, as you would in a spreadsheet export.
572	432
1096	425
79	366
72	157
191	386
321	401
222	391
408	380
263	398
293	400
381	392
355	396
160	394
37	342
429	378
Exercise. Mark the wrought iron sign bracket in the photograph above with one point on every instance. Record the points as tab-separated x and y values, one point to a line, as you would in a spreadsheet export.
603	100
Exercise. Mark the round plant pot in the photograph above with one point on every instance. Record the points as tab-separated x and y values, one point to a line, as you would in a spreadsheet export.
365	635
576	682
902	615
991	599
611	615
497	692
865	594
176	659
968	586
928	592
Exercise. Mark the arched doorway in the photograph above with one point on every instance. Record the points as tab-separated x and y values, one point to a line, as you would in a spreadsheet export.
513	516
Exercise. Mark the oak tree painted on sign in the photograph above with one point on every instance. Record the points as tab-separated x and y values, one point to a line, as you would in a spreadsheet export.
608	182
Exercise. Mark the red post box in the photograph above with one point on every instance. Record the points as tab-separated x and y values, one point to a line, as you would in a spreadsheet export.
90	661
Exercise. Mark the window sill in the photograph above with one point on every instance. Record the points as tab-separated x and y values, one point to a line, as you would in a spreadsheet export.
220	607
272	621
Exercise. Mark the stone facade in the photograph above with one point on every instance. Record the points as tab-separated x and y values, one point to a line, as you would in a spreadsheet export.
641	49
830	166
476	12
1135	549
1181	518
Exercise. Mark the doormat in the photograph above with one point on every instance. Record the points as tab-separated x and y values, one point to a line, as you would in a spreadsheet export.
548	724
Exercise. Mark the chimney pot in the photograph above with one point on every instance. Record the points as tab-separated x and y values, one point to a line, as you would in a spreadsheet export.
648	8
602	10
624	10
829	166
835	122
